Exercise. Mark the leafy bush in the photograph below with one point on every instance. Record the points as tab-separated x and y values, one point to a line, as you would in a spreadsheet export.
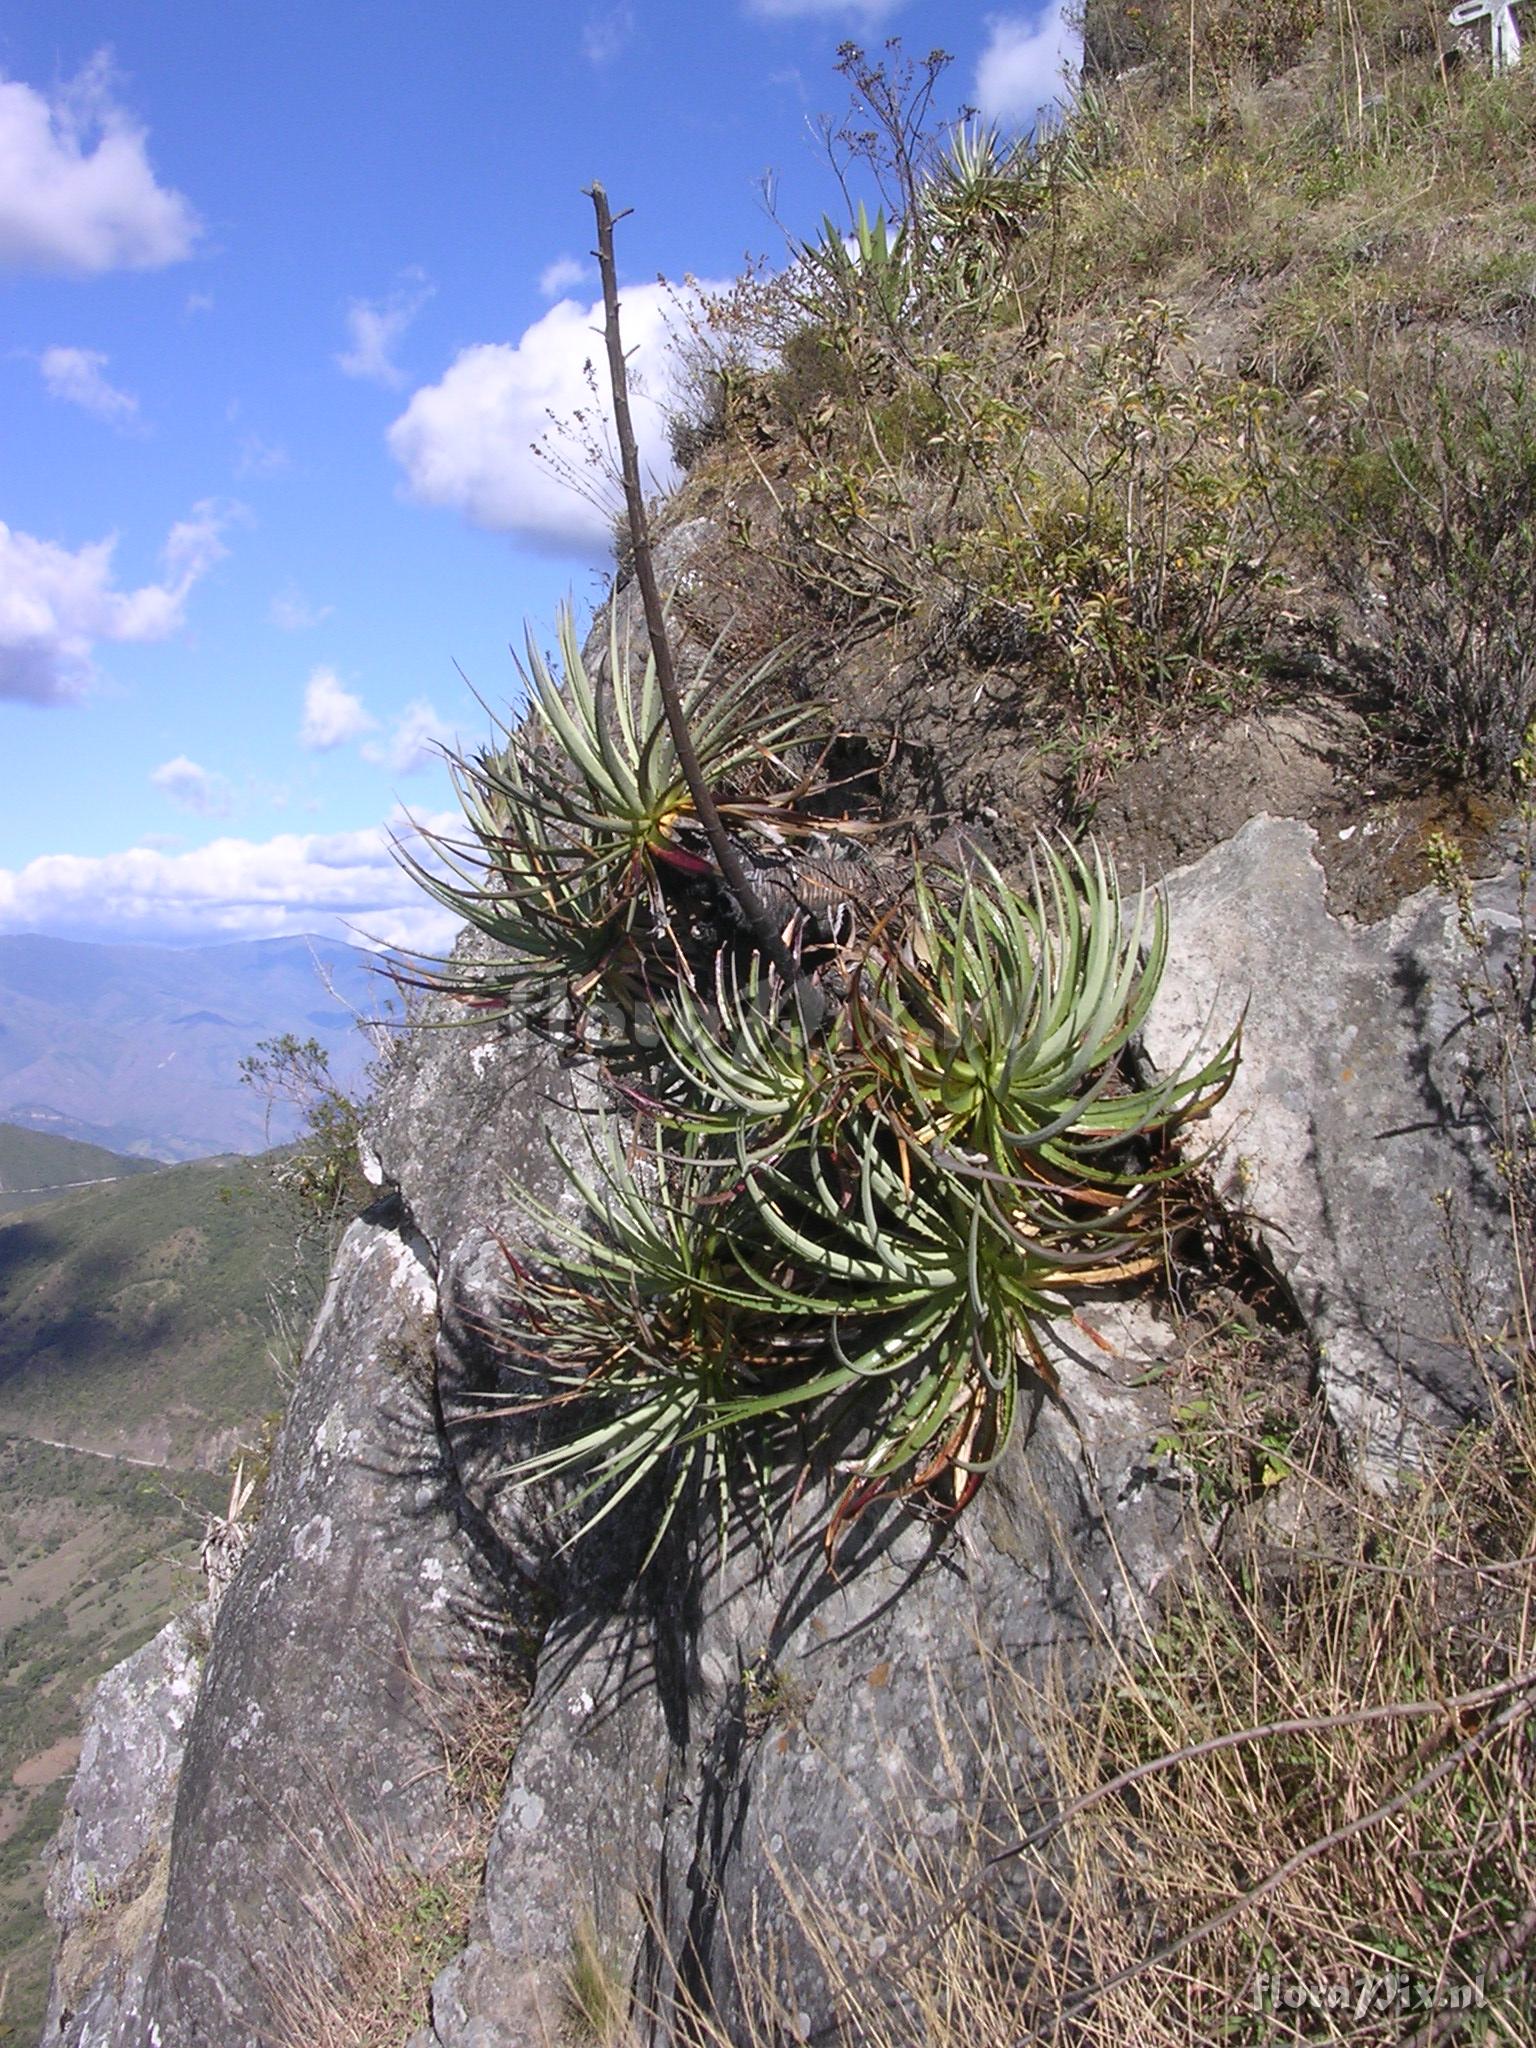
321	1170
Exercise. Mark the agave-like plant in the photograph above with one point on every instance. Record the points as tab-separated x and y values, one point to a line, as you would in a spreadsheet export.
876	269
918	1284
578	813
933	1284
642	1313
998	1022
890	1208
742	1062
893	1207
981	186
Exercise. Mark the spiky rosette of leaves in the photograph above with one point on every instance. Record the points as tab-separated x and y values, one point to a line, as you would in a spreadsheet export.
875	269
642	1315
998	1020
879	1217
981	189
684	1316
737	1059
575	816
932	1286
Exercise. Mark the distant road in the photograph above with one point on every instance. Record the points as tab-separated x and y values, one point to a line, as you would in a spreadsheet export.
62	1187
85	1450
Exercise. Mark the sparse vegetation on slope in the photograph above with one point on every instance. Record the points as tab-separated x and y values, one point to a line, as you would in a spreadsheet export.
137	1321
137	1317
1214	395
96	1553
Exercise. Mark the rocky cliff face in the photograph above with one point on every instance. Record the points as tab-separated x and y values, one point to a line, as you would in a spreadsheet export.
708	1736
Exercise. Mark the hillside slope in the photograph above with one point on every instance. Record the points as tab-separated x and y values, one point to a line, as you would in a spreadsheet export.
1180	465
137	1318
95	1553
37	1166
145	1327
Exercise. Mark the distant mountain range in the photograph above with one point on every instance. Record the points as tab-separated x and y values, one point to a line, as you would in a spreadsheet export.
138	1048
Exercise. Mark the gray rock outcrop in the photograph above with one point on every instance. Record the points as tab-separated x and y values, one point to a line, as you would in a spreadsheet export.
735	1728
106	1893
710	1734
1344	1140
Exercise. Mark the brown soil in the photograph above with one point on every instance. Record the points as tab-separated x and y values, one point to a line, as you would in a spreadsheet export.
57	1761
966	757
1315	764
1199	788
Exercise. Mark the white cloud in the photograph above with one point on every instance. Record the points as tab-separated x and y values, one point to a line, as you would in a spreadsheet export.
55	604
258	458
468	441
291	612
75	375
413	745
345	883
76	189
332	715
375	326
605	35
867	11
558	277
1020	70
192	788
193	545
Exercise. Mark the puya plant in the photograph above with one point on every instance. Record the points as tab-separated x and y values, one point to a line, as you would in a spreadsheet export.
855	1235
579	817
868	1151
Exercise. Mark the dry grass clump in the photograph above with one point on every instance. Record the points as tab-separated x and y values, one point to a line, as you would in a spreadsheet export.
397	1927
597	2002
385	1924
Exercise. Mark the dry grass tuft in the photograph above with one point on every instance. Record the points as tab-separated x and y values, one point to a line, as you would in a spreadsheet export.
396	1928
597	2003
388	1924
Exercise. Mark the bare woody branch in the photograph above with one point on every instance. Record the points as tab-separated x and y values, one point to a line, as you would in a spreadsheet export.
729	861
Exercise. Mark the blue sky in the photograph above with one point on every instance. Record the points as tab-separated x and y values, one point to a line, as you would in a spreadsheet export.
290	289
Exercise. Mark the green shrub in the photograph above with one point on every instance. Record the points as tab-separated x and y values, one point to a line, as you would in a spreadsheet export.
321	1169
